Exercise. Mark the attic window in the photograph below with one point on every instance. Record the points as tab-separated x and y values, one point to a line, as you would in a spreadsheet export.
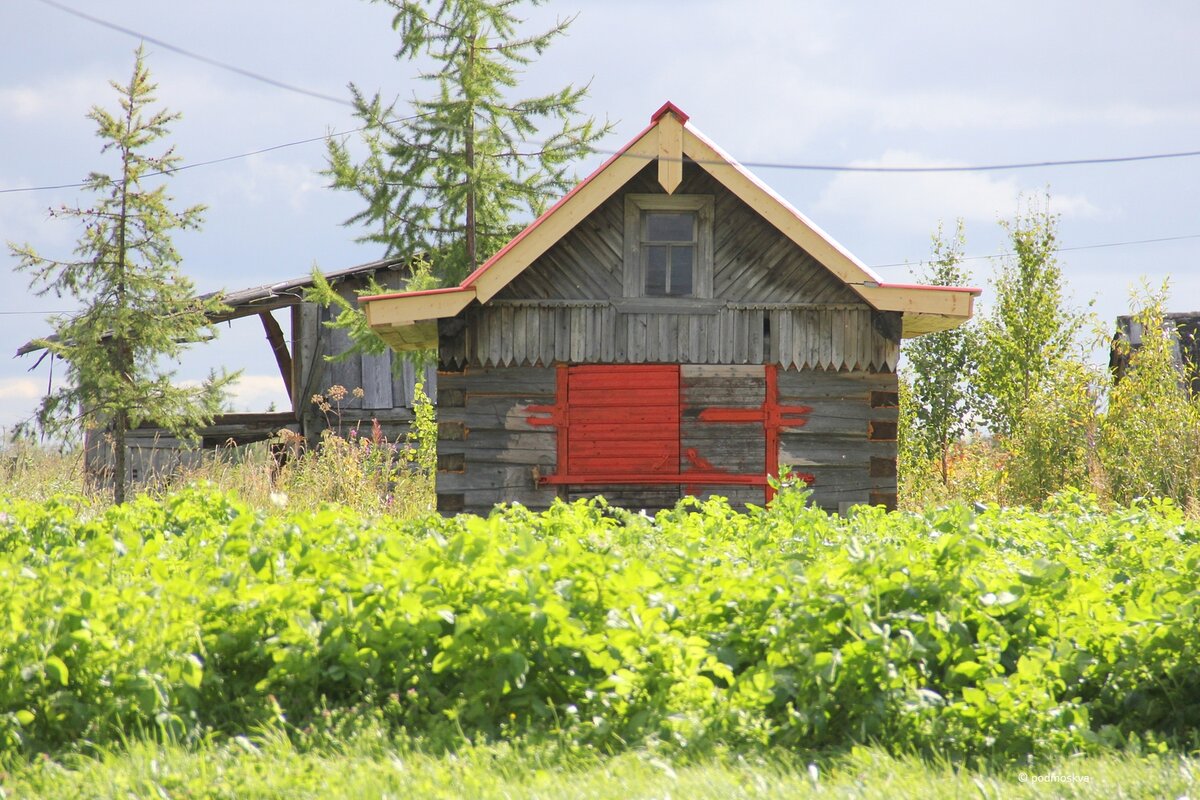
668	245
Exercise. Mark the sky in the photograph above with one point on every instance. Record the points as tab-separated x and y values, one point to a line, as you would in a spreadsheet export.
784	82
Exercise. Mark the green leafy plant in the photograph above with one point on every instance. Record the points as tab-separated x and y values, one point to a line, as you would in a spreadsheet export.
988	634
1149	435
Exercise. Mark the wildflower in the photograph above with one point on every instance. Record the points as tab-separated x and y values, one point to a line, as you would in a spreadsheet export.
318	399
358	391
337	393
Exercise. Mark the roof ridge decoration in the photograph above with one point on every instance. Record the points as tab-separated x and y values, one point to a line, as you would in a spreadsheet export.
411	317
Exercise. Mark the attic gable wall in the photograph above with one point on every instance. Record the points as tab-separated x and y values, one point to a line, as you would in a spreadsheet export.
753	262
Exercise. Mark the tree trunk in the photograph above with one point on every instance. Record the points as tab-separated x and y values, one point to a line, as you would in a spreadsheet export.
469	154
120	424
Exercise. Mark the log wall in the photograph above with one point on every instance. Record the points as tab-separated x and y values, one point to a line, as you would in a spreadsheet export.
489	452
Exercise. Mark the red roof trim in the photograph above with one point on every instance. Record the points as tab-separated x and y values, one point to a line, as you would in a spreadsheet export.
420	293
468	283
474	276
674	109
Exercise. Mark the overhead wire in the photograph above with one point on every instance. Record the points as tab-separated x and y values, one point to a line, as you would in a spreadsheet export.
1007	253
755	164
844	168
197	56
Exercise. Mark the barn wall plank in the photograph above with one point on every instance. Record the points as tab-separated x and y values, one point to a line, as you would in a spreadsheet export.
492	453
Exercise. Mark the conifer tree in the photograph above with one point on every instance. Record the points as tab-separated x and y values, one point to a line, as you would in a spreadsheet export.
449	180
138	310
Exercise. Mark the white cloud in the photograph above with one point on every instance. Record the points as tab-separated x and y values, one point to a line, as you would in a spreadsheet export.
258	392
20	389
264	181
923	198
67	97
252	392
18	399
939	111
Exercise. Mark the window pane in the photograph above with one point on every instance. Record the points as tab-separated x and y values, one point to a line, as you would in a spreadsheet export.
670	227
655	259
682	260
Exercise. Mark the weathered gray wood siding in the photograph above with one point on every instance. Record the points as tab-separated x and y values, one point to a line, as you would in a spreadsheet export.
773	303
488	452
387	393
524	333
737	448
848	443
752	261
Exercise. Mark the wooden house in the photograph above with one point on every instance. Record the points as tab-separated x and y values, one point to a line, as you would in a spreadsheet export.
670	326
300	346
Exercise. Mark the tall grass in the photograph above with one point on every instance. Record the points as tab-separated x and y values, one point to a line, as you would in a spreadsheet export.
271	766
368	476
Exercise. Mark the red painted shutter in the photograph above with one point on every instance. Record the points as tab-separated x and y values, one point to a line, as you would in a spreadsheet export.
623	420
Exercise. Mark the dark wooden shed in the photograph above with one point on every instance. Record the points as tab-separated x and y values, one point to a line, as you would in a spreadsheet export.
296	333
669	327
1184	330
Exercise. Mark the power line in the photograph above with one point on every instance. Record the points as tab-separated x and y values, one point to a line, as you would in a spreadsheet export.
975	167
1126	243
223	159
1056	250
183	167
756	164
205	59
919	169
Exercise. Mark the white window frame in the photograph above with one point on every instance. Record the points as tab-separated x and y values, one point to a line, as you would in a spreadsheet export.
635	272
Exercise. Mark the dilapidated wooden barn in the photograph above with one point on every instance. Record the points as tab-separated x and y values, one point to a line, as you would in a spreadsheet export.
670	326
1184	330
300	346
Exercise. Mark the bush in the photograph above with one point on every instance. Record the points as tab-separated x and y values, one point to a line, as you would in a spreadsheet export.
1150	436
992	634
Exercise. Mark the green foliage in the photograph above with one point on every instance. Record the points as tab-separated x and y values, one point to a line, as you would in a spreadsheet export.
1029	333
1052	446
940	395
988	634
1149	435
139	311
370	764
354	322
449	180
423	433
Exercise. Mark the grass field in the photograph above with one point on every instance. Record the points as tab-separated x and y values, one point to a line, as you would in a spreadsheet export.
270	767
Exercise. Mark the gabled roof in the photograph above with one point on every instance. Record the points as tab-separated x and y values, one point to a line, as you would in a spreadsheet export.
408	320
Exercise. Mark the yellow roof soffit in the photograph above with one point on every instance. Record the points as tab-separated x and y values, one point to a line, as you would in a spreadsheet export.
409	321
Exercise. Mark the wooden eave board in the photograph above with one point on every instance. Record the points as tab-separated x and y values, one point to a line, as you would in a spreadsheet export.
391	311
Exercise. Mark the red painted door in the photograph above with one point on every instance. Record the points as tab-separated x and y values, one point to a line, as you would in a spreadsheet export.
623	420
